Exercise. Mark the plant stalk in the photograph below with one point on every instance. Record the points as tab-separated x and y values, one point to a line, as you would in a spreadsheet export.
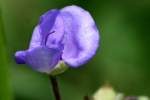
55	87
86	98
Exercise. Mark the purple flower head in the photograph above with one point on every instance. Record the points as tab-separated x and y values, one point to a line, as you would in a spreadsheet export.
69	35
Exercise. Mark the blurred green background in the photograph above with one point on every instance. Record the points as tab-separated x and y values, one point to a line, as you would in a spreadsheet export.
123	58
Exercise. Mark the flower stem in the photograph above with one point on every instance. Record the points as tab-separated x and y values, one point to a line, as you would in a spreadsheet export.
86	98
55	87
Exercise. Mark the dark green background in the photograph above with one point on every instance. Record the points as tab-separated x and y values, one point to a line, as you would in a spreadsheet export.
123	58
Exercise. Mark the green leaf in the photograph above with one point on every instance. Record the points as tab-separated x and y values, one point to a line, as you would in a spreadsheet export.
5	91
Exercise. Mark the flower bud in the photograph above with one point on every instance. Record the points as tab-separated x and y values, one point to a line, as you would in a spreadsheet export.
105	93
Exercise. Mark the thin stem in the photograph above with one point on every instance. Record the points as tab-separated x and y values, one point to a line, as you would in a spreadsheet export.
55	87
86	98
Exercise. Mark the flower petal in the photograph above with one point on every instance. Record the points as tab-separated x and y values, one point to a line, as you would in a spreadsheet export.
42	31
20	57
36	38
81	36
43	59
55	38
46	23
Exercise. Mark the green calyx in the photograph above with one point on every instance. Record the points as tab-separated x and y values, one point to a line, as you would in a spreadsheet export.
59	68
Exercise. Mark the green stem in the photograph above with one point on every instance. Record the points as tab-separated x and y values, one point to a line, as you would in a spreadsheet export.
55	87
86	98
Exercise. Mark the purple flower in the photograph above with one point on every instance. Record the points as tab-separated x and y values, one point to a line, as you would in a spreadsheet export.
69	35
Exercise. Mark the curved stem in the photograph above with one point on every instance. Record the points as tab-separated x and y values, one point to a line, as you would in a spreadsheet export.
55	87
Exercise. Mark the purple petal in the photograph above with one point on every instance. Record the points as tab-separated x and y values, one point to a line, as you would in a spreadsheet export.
44	29
43	59
81	36
36	38
20	57
55	38
46	23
